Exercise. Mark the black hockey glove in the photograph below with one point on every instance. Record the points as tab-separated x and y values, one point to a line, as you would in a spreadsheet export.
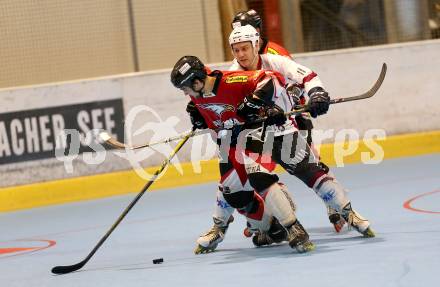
275	116
197	119
319	102
251	108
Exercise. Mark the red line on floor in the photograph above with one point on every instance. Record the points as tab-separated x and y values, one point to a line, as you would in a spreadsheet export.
25	250
15	249
407	204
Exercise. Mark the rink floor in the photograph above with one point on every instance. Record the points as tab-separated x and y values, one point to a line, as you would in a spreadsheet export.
401	197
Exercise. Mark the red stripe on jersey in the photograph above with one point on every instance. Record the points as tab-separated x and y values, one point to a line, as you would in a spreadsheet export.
308	78
264	160
225	176
293	121
236	159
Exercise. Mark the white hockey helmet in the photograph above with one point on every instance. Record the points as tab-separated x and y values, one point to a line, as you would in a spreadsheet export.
244	34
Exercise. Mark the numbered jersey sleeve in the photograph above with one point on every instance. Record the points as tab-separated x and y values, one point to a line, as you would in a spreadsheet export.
292	72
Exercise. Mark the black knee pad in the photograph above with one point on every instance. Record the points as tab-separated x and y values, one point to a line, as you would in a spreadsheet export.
277	232
261	181
239	199
309	172
324	166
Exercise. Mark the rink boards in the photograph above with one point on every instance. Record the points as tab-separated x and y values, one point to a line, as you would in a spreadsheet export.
110	184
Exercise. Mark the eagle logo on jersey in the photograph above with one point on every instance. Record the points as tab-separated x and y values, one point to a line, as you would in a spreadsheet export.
219	109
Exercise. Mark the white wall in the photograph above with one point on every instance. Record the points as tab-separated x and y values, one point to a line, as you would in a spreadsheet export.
407	102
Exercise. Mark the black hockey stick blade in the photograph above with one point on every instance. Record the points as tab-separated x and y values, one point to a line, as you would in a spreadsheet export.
60	270
367	94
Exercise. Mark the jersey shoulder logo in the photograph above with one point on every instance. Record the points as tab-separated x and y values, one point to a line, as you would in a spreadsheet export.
219	109
236	79
272	51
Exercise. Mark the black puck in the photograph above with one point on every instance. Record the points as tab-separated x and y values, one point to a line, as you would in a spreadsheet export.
157	260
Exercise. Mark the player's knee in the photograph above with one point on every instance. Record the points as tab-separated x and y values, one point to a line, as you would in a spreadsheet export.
239	199
260	181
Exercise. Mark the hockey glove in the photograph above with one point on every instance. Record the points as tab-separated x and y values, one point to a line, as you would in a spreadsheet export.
197	119
319	102
275	116
231	128
296	94
251	108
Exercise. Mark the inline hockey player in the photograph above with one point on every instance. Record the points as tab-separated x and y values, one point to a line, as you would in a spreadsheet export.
246	183
327	187
265	46
304	123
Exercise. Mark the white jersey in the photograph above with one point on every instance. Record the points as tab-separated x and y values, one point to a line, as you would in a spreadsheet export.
292	72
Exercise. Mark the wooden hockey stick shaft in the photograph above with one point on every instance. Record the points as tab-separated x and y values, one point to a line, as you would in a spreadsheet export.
119	145
371	92
75	267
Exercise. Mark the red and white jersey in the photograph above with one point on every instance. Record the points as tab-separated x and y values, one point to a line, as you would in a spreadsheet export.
230	89
292	72
273	48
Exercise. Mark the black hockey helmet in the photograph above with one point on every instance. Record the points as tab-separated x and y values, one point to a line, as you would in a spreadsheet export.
186	70
250	17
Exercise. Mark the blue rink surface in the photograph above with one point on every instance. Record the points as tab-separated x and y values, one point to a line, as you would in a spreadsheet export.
165	224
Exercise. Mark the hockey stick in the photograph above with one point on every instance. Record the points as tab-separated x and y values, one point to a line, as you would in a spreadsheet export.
371	92
368	94
75	267
104	136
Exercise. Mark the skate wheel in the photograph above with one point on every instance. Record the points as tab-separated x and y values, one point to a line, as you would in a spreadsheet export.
247	232
202	250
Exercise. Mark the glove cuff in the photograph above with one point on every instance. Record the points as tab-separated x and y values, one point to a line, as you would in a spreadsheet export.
314	90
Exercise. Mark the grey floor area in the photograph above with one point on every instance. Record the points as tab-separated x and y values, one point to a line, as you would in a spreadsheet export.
165	224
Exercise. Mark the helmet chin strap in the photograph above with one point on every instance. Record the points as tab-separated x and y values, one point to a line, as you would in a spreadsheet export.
255	58
252	63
